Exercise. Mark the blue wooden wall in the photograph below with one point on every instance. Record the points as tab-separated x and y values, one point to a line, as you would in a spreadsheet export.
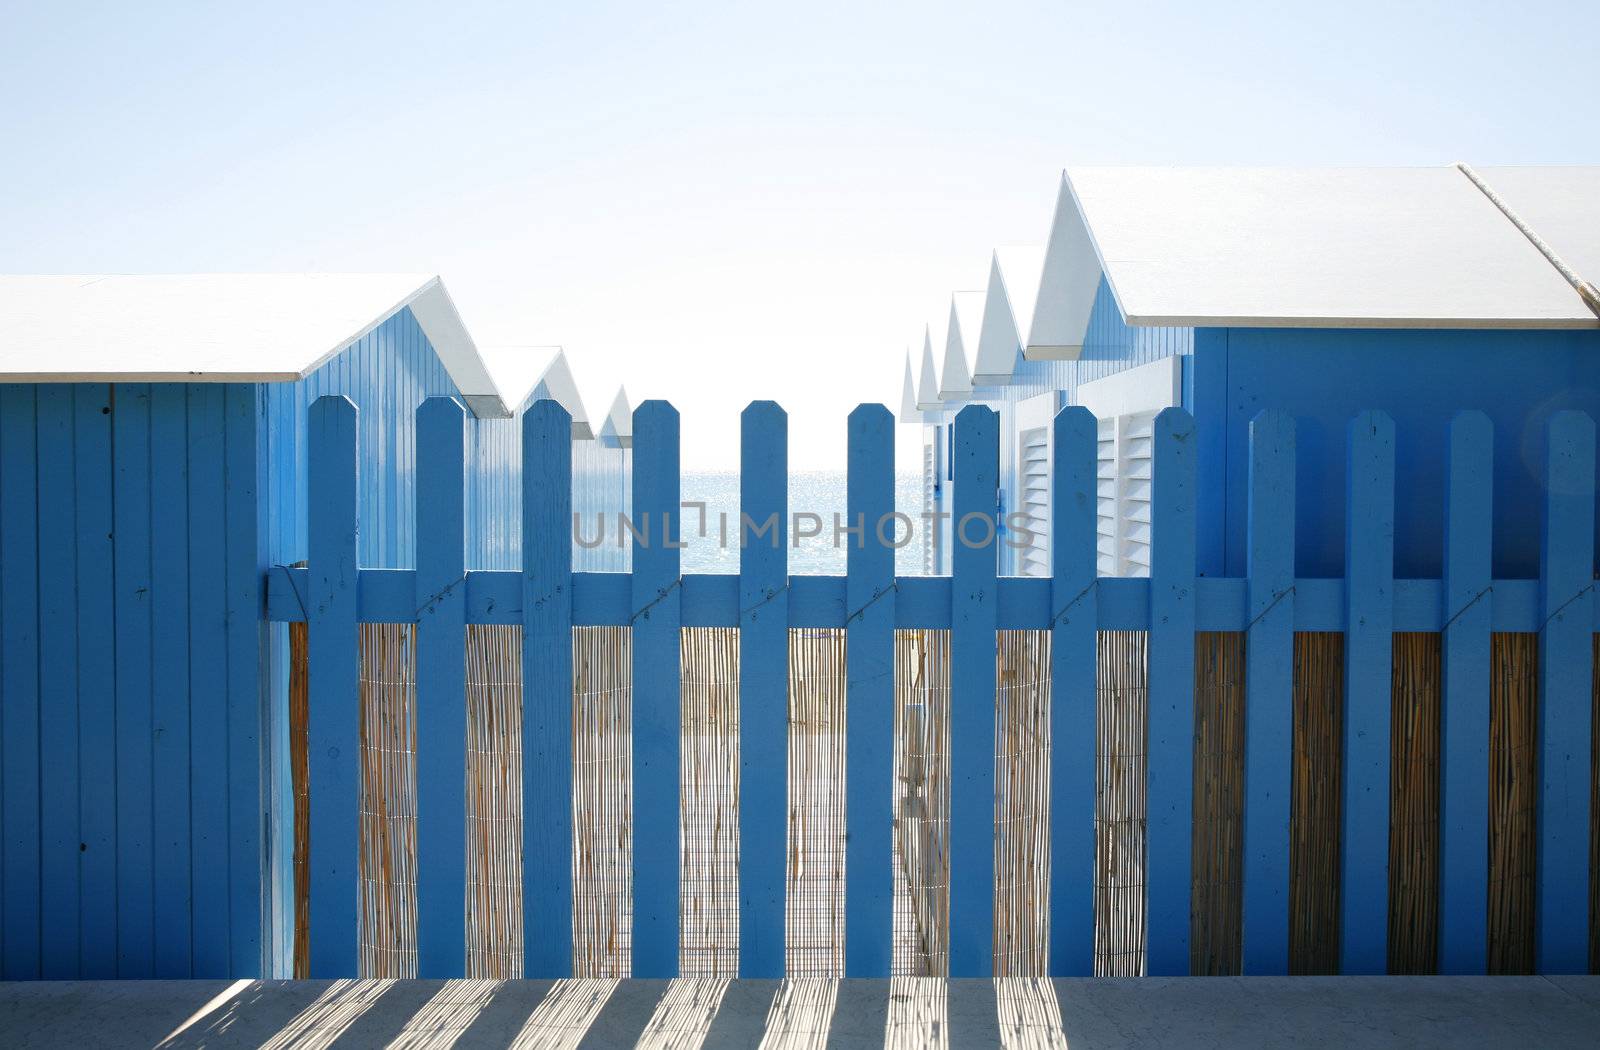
132	547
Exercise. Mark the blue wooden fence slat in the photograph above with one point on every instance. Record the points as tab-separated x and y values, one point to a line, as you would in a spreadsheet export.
547	692
1170	664
441	597
1464	713
869	699
657	732
135	875
763	687
58	686
1369	661
1269	687
208	758
1561	938
334	682
247	531
974	563
1073	632
19	682
97	679
169	557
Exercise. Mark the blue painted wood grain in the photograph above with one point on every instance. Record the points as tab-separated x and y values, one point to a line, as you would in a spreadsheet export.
135	859
1073	632
169	558
59	772
1369	661
657	732
974	564
869	699
1566	662
1171	691
208	678
247	530
1269	691
547	691
441	597
763	687
97	679
1464	713
334	682
19	682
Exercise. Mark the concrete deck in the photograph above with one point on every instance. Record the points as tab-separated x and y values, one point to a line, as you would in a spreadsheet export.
1453	1012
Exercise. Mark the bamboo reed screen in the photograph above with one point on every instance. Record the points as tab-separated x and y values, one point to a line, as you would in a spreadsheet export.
1315	806
1218	843
708	923
494	801
1414	804
921	931
1513	799
1022	805
300	778
1121	806
388	849
814	921
602	794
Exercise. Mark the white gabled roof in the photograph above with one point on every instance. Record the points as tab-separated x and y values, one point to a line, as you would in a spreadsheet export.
220	328
928	382
1334	247
1007	313
617	430
908	397
528	373
1067	286
966	317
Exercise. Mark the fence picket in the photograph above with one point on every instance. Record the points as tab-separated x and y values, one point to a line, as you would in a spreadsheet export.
1566	565
1269	683
1464	716
547	690
334	678
1369	660
869	699
441	596
657	674
1073	628
763	687
1171	694
974	553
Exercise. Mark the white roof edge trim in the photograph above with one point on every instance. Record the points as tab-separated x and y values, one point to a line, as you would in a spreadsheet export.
441	322
928	384
956	384
1067	285
909	413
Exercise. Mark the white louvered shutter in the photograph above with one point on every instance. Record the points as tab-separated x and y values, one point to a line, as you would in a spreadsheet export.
1126	405
930	498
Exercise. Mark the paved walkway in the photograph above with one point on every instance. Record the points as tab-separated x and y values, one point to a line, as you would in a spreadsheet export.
1527	1013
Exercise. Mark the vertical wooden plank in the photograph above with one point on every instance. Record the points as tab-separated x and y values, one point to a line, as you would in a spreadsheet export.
763	686
1269	691
1369	656
1464	718
974	561
1171	694
547	691
334	677
656	677
247	655
208	681
869	700
1566	569
59	771
169	556
1074	625
19	680
441	689
135	763
97	680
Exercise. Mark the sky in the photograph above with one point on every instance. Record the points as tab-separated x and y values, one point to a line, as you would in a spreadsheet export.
715	203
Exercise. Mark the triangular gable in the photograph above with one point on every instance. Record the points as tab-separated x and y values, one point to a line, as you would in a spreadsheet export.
908	397
966	315
1007	312
1067	286
928	384
617	430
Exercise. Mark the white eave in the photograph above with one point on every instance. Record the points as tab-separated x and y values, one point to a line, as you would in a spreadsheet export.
529	373
1008	307
928	383
617	430
909	412
966	316
221	328
1322	248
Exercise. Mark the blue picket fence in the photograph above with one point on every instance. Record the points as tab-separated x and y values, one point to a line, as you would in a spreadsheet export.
869	603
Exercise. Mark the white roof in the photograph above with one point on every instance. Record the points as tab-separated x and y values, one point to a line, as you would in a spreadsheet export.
1014	275
528	373
617	430
928	383
220	328
1334	247
908	397
966	317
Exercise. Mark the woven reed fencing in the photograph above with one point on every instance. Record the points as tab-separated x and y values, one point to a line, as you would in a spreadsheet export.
603	868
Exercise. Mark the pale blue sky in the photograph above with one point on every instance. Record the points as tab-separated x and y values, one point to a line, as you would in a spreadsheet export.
718	202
